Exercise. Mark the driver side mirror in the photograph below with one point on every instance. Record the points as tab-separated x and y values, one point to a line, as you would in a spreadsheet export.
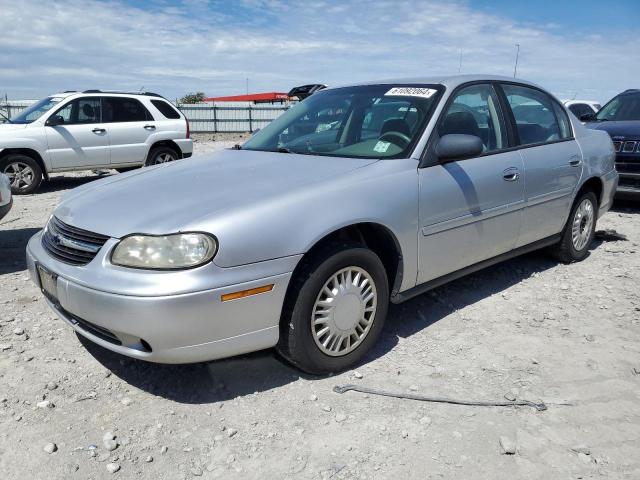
55	120
457	146
587	117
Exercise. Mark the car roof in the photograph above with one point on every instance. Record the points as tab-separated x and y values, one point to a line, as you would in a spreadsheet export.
448	81
575	100
70	93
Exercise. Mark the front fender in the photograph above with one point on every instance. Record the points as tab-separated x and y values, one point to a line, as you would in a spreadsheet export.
385	193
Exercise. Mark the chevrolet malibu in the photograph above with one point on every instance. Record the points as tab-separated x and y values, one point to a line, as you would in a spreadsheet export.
301	237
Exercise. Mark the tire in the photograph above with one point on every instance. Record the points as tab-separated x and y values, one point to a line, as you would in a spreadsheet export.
352	311
161	154
24	173
579	230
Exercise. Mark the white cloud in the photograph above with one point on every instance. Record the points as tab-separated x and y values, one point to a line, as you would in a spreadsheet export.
214	46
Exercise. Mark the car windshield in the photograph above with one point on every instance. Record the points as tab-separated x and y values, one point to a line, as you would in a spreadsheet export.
36	110
622	107
372	121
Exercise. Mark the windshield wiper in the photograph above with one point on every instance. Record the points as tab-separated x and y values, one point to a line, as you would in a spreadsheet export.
283	150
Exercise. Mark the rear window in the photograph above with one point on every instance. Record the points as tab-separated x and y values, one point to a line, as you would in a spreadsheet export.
165	109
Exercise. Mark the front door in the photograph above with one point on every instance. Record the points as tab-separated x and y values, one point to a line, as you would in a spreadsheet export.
470	210
81	140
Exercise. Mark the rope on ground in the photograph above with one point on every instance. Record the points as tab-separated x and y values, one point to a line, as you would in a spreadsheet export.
422	398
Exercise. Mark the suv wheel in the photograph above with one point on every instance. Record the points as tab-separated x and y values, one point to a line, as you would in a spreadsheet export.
160	155
335	309
24	173
579	230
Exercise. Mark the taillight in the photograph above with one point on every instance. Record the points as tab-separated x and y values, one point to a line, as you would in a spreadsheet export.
188	129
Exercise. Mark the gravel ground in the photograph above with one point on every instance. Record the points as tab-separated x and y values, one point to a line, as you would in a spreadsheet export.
527	329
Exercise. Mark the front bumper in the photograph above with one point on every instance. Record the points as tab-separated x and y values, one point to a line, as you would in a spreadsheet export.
182	328
629	185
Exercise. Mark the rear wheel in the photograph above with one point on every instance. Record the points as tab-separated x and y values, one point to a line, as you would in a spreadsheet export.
579	230
335	309
159	155
24	173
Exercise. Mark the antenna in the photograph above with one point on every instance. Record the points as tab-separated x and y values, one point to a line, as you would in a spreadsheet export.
141	89
460	62
515	68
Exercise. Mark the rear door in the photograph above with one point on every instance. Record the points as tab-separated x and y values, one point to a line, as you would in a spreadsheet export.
81	140
470	210
129	124
552	160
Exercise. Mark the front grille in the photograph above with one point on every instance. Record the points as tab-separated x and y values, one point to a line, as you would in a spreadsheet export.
617	146
70	244
629	147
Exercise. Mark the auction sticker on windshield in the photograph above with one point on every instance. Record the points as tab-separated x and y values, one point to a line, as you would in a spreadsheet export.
411	92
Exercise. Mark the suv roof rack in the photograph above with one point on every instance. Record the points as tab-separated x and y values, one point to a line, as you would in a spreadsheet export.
148	94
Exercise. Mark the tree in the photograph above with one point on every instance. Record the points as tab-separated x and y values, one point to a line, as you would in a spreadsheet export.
197	97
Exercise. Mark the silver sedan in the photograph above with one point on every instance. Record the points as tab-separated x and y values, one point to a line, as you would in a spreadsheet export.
299	239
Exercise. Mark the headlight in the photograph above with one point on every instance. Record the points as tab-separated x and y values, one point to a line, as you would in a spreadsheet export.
167	252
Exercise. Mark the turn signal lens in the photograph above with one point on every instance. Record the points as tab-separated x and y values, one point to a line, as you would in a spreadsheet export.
246	293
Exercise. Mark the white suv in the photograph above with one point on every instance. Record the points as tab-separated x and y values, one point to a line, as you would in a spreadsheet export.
90	130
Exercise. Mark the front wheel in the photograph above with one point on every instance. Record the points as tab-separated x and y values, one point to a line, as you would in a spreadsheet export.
25	174
579	231
335	309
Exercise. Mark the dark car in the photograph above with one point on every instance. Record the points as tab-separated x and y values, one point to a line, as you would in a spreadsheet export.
620	117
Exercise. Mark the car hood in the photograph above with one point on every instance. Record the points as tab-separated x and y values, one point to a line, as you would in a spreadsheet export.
629	128
7	127
167	198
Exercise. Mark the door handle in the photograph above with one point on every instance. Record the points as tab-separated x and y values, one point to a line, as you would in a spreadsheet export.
98	130
511	175
575	162
149	127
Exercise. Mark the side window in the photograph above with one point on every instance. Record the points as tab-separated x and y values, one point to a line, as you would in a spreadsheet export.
81	111
535	116
165	109
563	120
122	109
475	110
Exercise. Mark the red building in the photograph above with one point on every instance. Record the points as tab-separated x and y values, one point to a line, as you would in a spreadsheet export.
268	97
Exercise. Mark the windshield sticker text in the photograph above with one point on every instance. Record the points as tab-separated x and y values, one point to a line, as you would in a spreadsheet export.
381	147
411	92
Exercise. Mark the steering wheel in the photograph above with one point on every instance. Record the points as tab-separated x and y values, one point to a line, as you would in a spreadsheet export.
404	140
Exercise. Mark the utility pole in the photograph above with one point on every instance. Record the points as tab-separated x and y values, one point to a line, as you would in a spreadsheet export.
247	86
515	68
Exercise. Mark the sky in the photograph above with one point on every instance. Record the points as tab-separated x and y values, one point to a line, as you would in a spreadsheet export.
576	49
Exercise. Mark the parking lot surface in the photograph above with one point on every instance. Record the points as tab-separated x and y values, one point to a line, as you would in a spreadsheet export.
529	329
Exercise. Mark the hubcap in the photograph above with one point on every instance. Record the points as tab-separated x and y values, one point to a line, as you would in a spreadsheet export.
582	224
20	175
344	311
163	158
